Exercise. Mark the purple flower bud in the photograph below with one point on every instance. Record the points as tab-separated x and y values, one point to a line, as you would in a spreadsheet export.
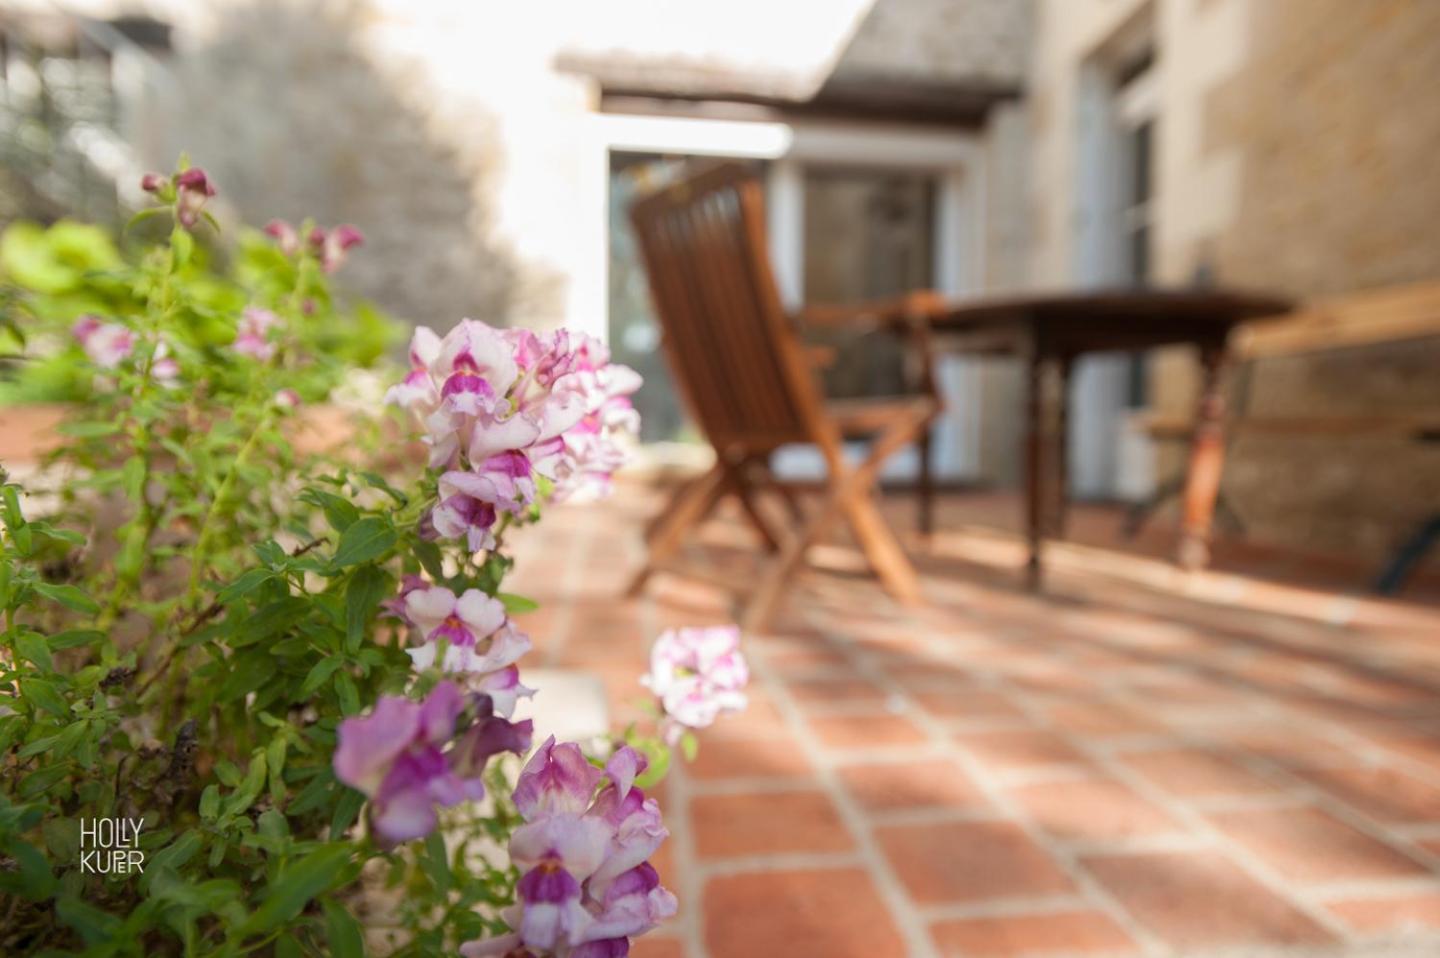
332	246
286	237
153	182
192	189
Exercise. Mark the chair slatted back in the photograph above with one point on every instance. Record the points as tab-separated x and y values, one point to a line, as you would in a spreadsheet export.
738	362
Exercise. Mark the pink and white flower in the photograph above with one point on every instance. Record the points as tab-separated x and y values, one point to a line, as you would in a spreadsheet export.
192	189
480	638
107	344
332	245
398	756
286	237
164	367
587	887
502	408
697	674
252	334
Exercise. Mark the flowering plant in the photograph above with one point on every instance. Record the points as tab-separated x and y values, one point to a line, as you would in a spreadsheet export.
295	677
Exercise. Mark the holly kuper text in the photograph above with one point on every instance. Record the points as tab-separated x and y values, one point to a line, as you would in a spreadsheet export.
111	846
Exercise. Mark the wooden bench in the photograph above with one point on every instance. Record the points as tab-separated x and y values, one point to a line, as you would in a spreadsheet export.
1388	315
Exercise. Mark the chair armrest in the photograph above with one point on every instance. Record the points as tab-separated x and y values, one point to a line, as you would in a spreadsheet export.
821	357
909	315
916	306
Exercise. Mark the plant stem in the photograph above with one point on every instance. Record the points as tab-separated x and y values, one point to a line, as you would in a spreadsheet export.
207	526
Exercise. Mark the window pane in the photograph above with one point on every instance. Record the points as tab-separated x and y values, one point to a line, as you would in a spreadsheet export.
868	234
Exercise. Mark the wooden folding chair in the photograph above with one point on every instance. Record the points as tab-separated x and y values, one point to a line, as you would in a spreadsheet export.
749	384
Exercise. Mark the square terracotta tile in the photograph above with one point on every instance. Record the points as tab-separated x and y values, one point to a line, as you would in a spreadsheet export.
1019	749
1202	900
1197	774
877	729
722	758
1307	845
832	913
1018	936
1101	719
892	786
767	823
919	676
970	861
1095	810
1399	913
821	691
1386	795
1284	743
968	704
760	719
655	945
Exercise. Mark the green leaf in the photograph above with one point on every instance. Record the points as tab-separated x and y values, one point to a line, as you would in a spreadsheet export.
31	645
74	639
244	585
346	811
88	430
368	538
319	674
689	746
179	852
376	481
247	673
90	923
69	596
41	693
275	754
342	932
182	247
39	781
517	603
362	597
32	877
59	535
210	802
430	560
249	790
296	886
435	863
346	692
340	513
144	215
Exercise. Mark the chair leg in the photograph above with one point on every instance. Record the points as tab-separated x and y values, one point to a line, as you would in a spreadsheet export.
745	491
776	576
926	485
882	550
689	507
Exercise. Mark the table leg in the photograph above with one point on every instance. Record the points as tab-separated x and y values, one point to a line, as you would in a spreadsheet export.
1061	501
1034	465
1207	458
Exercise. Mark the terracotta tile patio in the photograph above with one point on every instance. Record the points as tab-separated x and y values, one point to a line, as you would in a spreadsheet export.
1139	762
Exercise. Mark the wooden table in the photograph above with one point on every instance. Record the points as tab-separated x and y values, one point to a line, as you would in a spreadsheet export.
1049	330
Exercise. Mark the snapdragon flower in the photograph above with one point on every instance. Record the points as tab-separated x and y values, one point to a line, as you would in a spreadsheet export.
587	886
595	447
407	757
286	237
187	191
697	674
480	637
502	409
252	333
107	344
332	246
192	189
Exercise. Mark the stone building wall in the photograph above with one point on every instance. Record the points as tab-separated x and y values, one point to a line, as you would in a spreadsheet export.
1335	125
1295	151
